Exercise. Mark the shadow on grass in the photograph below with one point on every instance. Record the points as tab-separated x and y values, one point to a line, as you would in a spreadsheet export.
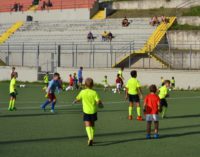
109	135
184	116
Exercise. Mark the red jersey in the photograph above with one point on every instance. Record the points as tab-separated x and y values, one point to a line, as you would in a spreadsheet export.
151	101
71	81
118	80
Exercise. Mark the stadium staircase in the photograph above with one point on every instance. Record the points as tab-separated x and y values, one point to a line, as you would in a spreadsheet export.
9	32
100	15
149	46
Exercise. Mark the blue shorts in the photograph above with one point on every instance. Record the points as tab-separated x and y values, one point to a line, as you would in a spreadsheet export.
90	117
80	80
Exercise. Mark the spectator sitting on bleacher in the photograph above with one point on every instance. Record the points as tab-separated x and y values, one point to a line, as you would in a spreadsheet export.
154	21
20	7
43	7
90	37
164	19
49	3
110	36
125	22
15	7
104	36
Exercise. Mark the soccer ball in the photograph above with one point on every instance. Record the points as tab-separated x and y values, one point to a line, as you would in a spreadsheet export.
114	90
22	85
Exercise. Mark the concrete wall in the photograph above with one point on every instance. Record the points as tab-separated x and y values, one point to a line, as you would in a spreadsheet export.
24	73
58	15
184	79
148	4
184	39
190	20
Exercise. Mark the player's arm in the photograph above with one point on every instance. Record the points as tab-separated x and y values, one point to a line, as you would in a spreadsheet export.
49	87
126	93
100	104
78	98
139	89
145	105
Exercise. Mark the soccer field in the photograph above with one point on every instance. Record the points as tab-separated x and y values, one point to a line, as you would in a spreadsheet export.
30	132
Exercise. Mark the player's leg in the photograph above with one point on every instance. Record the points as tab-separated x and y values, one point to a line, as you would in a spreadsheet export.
164	108
10	103
138	108
53	106
93	129
88	127
148	135
130	108
47	102
156	126
13	103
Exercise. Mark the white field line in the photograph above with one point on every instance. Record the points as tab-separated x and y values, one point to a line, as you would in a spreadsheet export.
68	104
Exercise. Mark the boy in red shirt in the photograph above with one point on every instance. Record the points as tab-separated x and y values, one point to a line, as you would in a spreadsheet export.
151	109
119	83
71	83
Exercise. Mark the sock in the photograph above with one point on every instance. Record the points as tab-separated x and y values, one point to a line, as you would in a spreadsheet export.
53	105
45	104
10	104
13	104
164	112
139	111
130	110
93	132
89	132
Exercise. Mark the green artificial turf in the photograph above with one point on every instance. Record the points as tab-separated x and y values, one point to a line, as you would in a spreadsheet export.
29	132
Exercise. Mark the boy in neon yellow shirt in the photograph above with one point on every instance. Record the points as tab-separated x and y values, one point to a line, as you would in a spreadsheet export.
163	94
13	93
90	100
134	92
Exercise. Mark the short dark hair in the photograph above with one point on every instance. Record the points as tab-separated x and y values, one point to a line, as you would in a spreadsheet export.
81	68
56	74
167	81
118	75
133	73
89	82
153	88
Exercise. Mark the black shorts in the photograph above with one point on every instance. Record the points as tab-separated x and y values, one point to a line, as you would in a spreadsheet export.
163	102
173	84
13	94
134	98
90	117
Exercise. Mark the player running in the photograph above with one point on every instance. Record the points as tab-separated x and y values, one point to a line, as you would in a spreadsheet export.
54	84
163	94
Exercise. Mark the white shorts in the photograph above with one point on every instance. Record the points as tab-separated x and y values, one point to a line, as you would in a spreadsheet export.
105	85
118	85
152	117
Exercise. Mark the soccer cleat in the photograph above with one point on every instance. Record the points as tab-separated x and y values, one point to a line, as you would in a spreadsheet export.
130	117
90	143
43	108
156	136
139	118
14	109
52	111
148	136
9	109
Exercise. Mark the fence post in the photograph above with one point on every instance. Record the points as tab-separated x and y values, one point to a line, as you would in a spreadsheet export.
90	53
23	54
52	62
8	57
59	51
129	57
37	57
182	59
73	54
190	57
76	55
111	57
93	55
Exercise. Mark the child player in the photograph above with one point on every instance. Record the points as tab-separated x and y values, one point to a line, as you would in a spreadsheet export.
133	92
75	79
54	84
90	100
163	94
71	83
46	80
151	109
105	83
173	83
13	93
119	83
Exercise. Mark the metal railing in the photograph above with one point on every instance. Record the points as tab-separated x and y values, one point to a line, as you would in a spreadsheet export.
98	55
